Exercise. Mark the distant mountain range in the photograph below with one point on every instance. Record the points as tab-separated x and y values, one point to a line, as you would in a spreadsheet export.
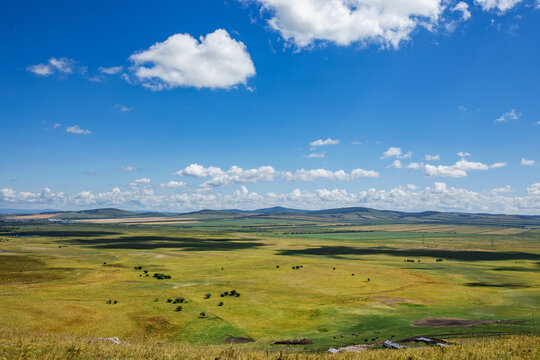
360	215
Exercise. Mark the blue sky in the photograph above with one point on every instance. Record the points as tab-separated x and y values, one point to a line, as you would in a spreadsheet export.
220	104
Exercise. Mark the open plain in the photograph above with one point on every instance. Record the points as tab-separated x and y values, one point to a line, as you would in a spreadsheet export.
257	280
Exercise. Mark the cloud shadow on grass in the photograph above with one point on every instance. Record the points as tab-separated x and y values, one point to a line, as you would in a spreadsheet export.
158	242
463	255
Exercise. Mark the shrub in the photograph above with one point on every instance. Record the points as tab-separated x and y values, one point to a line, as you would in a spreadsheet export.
178	308
277	266
202	314
207	296
179	300
160	276
169	300
115	302
220	303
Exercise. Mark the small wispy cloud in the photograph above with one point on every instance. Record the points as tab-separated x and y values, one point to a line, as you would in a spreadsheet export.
123	108
463	154
110	70
320	155
526	162
128	168
498	165
173	185
463	7
62	65
510	115
429	157
57	125
321	142
396	152
75	129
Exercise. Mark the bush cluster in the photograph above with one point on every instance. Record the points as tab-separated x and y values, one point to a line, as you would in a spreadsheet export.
161	276
230	293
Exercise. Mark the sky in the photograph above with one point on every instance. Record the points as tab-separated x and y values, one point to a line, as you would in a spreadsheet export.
183	105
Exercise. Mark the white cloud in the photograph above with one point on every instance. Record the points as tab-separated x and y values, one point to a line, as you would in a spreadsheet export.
443	171
439	197
214	61
197	170
498	165
315	174
510	115
123	108
173	185
75	129
311	175
396	164
62	65
364	173
527	162
143	181
463	154
128	168
501	5
235	175
462	108
320	155
321	142
303	22
534	189
506	189
415	165
110	70
459	169
463	7
9	195
41	69
57	125
429	157
395	152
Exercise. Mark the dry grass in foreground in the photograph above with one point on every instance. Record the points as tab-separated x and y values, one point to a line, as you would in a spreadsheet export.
48	347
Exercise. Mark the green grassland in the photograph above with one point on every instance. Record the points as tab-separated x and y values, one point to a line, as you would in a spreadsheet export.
354	282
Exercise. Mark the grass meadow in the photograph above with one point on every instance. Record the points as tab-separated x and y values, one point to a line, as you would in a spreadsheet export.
331	283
